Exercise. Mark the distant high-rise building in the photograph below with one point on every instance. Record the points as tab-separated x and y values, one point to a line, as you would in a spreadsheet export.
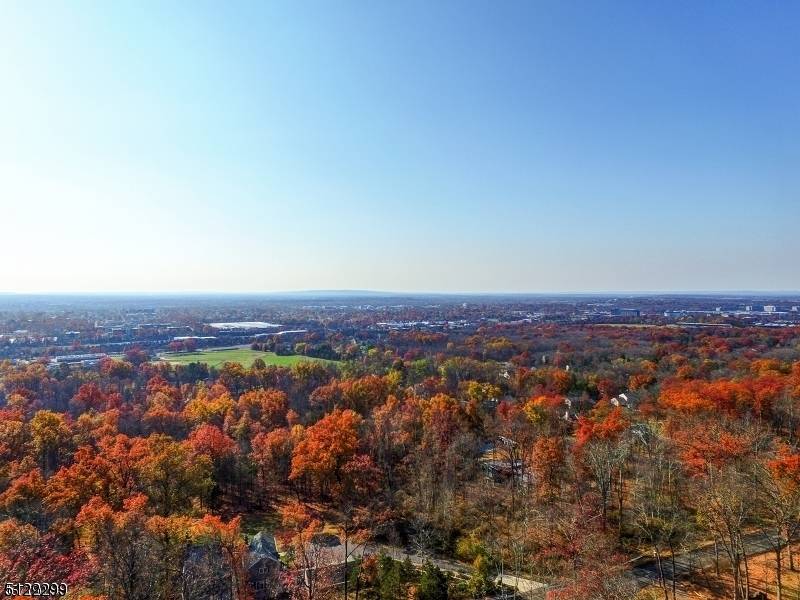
770	308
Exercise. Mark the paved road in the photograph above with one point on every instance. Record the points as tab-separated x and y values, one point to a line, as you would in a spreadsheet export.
645	573
530	589
699	559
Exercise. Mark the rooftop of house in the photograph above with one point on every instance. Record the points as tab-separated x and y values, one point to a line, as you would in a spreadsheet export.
263	544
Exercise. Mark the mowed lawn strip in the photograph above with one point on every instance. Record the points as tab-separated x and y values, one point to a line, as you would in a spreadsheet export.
243	356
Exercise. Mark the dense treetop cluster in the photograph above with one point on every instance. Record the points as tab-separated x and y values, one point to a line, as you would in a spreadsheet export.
540	449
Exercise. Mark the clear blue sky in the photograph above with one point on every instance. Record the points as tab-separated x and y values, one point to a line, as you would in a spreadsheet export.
421	146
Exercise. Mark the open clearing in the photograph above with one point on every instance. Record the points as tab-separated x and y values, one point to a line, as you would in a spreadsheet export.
243	356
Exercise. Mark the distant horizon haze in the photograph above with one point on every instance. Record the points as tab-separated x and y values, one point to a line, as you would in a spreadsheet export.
391	293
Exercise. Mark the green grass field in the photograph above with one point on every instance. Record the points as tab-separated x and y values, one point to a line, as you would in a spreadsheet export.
243	356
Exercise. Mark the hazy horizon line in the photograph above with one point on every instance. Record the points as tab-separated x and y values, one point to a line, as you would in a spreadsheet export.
373	292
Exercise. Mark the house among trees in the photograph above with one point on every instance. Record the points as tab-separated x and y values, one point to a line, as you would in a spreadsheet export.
626	400
264	567
204	573
504	463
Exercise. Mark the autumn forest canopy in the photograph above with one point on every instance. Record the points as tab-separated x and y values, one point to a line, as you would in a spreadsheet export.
589	461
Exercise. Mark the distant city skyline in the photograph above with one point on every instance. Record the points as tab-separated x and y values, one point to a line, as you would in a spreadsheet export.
416	147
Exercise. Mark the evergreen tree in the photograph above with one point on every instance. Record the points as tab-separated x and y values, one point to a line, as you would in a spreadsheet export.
433	583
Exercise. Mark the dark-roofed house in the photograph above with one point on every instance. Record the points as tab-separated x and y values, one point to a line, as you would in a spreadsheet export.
264	567
205	574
